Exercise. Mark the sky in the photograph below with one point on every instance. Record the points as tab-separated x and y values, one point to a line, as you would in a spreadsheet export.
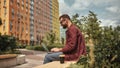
108	11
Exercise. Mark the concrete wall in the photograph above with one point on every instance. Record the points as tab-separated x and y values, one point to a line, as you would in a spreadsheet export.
20	59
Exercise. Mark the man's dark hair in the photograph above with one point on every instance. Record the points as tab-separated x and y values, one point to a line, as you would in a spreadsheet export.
64	16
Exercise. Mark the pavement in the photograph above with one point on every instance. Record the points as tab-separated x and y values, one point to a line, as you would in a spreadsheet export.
33	58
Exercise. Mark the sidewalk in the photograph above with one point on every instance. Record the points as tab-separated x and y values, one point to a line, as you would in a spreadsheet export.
33	58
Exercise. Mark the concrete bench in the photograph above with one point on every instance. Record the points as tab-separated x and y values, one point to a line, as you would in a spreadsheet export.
56	64
9	60
7	56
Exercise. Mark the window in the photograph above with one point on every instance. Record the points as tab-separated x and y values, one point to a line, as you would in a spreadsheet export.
11	26
18	25
12	13
4	2
22	4
21	17
22	7
4	25
11	2
22	27
5	12
26	5
18	4
0	10
26	1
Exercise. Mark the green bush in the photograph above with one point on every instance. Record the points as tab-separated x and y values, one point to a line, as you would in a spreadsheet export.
29	47
106	41
21	46
40	48
37	47
11	52
7	43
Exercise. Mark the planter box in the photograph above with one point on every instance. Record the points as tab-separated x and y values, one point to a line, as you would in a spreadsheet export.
20	59
10	60
7	56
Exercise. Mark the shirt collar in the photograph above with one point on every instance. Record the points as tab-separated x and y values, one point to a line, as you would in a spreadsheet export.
69	27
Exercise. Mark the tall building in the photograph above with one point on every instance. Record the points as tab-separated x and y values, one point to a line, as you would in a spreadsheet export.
55	18
4	10
29	20
15	19
43	19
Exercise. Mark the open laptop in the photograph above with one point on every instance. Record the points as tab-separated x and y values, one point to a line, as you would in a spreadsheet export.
46	49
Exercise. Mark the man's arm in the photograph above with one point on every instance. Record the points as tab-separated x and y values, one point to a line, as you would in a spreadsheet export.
56	49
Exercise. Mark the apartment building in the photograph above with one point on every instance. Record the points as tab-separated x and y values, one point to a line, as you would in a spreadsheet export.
55	18
28	20
43	20
15	19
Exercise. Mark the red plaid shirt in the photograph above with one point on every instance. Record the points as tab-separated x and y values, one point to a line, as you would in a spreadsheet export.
75	44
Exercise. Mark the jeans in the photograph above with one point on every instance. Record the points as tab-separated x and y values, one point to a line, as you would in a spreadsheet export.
52	57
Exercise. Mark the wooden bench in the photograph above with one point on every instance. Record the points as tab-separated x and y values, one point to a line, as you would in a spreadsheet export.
56	64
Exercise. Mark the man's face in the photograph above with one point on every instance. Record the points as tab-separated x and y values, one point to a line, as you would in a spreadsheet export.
63	23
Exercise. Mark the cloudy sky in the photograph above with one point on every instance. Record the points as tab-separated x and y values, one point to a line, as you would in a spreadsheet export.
108	11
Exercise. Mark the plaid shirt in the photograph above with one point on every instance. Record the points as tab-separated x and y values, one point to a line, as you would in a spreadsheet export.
75	44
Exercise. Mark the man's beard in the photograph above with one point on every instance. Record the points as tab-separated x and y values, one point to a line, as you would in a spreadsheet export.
64	26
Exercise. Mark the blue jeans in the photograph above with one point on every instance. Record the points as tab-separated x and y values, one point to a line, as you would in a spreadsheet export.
52	57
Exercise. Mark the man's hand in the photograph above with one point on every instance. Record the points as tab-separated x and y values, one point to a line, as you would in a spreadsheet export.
55	49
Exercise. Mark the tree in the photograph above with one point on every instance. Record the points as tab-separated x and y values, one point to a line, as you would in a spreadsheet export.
62	40
50	38
75	19
104	41
93	30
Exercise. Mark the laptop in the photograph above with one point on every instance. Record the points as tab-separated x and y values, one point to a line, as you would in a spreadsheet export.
46	49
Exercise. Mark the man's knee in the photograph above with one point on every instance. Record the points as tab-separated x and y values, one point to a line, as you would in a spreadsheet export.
47	56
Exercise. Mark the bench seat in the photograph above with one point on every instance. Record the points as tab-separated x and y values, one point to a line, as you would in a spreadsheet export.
56	64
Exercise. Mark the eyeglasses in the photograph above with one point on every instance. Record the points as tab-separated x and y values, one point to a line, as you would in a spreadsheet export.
62	21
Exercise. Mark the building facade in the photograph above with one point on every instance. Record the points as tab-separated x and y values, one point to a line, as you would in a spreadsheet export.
15	19
43	19
55	18
28	20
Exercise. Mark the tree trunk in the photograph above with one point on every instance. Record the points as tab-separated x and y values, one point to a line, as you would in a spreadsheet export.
91	53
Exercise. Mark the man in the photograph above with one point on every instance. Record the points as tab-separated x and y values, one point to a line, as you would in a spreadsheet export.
74	46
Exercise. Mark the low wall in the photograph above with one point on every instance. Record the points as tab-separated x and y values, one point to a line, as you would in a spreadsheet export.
11	60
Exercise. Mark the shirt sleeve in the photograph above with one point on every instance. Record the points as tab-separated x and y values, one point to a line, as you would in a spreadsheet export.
71	41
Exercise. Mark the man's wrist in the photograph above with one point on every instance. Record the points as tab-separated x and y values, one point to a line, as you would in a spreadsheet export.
60	49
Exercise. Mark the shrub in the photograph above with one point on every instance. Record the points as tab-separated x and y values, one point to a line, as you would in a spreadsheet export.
7	44
37	47
21	46
106	41
29	47
40	48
